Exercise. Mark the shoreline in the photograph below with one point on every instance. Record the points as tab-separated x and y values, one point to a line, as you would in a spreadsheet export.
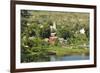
68	52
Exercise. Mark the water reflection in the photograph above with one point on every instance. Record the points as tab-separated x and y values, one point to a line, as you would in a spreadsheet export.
68	58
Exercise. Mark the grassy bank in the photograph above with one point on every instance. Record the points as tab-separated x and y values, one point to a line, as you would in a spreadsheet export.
62	51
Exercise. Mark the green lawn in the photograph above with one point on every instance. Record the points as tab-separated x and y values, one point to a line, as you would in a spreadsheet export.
61	51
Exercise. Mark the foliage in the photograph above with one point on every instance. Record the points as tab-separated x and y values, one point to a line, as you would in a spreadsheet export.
34	49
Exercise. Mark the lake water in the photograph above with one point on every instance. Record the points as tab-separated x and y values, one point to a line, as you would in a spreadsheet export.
68	58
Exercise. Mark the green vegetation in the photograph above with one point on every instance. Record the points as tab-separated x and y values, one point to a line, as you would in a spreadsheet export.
36	33
63	51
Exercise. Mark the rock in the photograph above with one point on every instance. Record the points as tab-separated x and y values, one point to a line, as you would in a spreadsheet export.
51	53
